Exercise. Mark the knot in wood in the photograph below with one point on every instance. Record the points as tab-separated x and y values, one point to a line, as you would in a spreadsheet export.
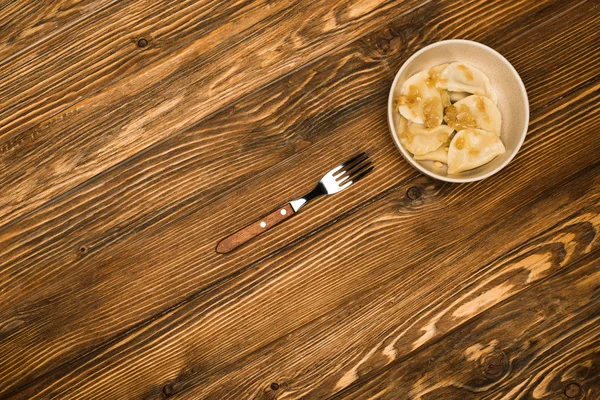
142	42
274	386
168	390
572	390
495	364
414	193
383	46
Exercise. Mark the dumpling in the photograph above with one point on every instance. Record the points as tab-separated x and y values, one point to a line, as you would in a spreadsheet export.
461	77
421	101
435	72
474	112
446	100
471	148
456	96
419	140
434	77
441	155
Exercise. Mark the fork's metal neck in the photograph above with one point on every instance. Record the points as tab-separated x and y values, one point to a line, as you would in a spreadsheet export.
297	203
317	191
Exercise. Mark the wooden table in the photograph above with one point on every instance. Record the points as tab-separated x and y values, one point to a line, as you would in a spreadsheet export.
134	135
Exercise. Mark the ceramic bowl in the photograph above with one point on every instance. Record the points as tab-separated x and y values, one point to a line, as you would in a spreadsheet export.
512	102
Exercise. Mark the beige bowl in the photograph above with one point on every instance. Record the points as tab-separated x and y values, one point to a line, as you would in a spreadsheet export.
512	101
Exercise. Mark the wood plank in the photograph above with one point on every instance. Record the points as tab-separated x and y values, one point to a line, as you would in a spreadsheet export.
294	135
377	331
542	347
221	324
568	72
62	71
528	188
165	96
28	23
28	283
192	176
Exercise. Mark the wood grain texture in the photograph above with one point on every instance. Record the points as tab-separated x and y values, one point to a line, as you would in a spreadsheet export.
89	250
113	289
167	95
61	71
28	23
376	331
562	345
163	343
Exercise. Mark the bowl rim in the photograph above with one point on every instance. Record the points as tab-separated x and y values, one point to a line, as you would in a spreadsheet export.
409	157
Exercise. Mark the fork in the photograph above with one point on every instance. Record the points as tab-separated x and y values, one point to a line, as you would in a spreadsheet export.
332	182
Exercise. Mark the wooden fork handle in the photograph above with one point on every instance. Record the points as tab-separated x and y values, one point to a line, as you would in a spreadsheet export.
251	231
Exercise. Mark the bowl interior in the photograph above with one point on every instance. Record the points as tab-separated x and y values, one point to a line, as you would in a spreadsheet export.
512	101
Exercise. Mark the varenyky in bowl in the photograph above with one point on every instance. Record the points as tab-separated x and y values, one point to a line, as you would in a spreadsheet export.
448	115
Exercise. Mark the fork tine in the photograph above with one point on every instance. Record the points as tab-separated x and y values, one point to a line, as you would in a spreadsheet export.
356	168
336	171
356	157
358	175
